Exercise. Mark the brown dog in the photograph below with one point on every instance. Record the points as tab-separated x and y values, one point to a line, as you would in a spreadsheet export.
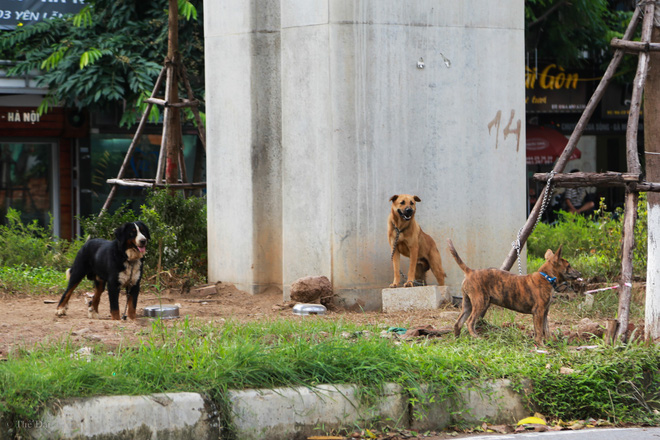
530	294
407	238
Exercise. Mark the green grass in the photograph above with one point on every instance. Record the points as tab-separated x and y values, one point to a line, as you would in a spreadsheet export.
207	358
592	245
31	280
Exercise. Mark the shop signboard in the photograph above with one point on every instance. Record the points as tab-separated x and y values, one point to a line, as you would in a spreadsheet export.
16	13
28	118
57	121
553	89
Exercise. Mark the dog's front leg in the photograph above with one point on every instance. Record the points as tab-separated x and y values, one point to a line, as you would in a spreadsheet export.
113	294
435	261
396	266
540	325
131	299
466	310
93	306
414	253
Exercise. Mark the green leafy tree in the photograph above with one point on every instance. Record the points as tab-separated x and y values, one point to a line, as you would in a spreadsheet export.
575	32
108	55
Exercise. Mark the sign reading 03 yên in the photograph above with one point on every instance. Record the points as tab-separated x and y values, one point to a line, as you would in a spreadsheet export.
551	89
16	13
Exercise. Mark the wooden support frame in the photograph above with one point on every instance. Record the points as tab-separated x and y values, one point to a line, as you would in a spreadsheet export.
528	227
632	180
172	70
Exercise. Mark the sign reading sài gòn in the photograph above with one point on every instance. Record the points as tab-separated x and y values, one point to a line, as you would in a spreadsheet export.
551	89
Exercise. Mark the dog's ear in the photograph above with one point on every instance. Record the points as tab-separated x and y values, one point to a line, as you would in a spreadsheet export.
393	198
558	253
417	199
549	254
120	232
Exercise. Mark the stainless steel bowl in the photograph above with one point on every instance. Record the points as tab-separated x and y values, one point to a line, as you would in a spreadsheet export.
309	309
164	311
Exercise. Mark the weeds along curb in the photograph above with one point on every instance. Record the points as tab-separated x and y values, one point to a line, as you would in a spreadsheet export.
283	413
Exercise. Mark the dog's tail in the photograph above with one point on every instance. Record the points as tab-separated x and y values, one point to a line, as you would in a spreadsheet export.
454	254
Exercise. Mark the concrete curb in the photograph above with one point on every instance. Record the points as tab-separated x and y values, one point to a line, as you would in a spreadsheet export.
284	413
174	416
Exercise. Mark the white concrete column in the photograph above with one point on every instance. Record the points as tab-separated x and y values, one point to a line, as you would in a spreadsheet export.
376	97
307	139
243	95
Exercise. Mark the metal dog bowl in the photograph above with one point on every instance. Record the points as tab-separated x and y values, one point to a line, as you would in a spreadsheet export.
309	309
456	301
162	311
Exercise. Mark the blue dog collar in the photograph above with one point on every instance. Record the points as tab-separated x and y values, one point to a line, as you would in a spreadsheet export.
551	280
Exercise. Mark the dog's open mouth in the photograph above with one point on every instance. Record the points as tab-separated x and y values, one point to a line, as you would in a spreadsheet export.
405	215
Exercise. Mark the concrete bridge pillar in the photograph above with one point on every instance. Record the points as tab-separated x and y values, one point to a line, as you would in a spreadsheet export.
319	111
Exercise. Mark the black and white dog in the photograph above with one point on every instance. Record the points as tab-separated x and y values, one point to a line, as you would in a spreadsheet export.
117	263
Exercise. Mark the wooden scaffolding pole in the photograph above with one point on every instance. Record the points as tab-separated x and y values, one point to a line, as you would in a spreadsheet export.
630	212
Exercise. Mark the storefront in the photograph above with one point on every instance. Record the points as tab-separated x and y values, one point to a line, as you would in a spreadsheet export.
555	100
36	173
55	165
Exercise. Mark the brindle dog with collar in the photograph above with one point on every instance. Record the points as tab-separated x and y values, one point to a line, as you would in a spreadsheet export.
407	238
530	294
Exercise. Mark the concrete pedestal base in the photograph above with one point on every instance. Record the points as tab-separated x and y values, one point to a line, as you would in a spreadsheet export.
415	298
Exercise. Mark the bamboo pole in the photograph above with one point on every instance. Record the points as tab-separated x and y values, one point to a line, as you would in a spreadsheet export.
574	180
150	183
160	170
527	229
630	210
634	46
173	121
198	119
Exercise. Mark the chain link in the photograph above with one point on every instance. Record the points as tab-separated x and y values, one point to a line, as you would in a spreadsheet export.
544	205
396	240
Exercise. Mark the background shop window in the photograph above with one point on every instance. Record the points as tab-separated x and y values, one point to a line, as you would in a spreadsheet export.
27	180
107	153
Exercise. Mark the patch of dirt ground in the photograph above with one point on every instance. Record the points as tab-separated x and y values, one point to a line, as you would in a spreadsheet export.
26	320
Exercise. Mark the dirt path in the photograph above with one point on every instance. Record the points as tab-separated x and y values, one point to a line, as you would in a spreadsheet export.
28	320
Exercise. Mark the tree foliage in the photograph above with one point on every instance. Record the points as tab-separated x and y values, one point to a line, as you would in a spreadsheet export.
573	32
109	54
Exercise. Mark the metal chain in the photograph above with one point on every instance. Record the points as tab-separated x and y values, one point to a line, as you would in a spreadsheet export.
396	240
544	205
